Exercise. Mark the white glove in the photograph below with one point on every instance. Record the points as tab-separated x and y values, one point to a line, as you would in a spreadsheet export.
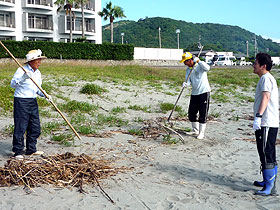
185	84
257	123
196	60
48	98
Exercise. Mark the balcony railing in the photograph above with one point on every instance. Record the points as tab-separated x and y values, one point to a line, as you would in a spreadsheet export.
9	1
40	2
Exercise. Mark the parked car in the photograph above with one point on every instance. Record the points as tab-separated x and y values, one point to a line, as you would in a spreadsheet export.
225	61
242	62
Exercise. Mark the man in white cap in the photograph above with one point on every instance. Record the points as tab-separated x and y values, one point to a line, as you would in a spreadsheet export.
200	96
26	114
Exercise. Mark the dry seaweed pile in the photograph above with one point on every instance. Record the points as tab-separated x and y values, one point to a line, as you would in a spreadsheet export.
156	128
63	170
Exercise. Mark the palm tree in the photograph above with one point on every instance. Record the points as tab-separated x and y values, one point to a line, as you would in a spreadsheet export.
82	4
67	7
111	13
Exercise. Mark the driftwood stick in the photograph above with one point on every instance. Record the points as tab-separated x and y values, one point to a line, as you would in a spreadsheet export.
170	129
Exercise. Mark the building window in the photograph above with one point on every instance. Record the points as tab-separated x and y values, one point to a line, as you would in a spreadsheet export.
68	24
78	24
89	25
39	22
5	20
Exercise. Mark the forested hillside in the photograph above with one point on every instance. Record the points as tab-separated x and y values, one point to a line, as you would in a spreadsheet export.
145	33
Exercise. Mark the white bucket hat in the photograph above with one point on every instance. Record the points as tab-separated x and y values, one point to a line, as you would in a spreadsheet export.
34	54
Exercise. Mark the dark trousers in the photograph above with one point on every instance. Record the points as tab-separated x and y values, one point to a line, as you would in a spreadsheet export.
199	104
266	140
26	119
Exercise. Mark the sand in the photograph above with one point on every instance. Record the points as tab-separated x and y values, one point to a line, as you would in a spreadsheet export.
214	173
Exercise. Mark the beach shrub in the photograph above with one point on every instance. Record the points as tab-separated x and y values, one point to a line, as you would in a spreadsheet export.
92	89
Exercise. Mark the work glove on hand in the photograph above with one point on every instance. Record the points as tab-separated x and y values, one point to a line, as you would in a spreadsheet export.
185	84
257	123
196	60
48	98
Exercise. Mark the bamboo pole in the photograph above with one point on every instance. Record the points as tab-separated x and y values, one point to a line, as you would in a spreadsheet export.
45	94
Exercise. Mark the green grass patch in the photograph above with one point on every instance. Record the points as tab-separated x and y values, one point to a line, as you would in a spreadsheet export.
220	97
85	129
164	107
64	139
6	98
118	109
138	119
110	120
167	139
91	89
135	132
139	108
76	106
9	129
50	127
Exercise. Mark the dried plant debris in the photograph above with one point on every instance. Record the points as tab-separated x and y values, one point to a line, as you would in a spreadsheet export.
62	170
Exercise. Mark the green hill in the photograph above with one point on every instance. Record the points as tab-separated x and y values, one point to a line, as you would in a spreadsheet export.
144	33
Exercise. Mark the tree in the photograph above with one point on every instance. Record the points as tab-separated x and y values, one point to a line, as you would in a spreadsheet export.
82	4
67	7
111	13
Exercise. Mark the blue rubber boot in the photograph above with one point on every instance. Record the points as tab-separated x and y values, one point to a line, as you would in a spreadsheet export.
261	184
273	191
269	180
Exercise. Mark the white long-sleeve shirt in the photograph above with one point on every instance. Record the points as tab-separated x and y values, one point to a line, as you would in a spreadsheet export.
198	78
26	88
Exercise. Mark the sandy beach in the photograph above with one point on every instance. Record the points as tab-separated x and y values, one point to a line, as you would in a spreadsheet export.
214	173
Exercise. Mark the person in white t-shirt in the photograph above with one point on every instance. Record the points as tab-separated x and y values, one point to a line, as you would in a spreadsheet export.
200	96
266	123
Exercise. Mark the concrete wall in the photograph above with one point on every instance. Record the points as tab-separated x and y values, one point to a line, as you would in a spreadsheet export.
276	60
141	53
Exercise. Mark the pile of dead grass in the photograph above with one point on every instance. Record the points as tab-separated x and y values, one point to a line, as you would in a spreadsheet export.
62	170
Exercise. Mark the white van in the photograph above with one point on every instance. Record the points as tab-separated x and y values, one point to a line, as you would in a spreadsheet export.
225	61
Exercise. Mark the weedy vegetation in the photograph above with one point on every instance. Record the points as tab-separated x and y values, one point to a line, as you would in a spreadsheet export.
91	89
89	118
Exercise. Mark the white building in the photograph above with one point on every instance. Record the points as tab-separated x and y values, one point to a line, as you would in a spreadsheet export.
275	60
39	20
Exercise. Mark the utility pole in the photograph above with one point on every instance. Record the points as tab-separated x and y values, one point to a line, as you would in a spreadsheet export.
247	47
122	35
199	43
256	46
159	37
178	37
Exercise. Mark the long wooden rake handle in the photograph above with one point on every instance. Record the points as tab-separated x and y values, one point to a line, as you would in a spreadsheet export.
182	89
73	129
